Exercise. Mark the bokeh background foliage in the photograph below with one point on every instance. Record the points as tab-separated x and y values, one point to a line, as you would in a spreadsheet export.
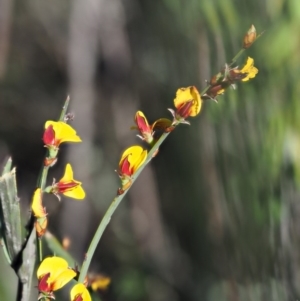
216	215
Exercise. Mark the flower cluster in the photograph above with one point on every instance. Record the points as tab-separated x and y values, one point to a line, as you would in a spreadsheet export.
54	272
187	102
229	77
55	133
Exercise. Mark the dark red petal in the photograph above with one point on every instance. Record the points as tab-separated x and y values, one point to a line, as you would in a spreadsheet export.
43	286
184	110
49	136
125	167
142	124
63	187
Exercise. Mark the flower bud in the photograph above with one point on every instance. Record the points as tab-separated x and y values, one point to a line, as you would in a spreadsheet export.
249	37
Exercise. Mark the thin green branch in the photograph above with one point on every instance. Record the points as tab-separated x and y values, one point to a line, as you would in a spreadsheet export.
113	206
64	109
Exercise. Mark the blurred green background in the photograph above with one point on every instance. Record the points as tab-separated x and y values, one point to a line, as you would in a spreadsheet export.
216	214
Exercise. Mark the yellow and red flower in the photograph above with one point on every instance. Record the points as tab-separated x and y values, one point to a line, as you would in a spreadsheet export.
188	103
143	126
68	186
244	74
132	158
80	293
57	132
229	77
37	205
53	273
147	131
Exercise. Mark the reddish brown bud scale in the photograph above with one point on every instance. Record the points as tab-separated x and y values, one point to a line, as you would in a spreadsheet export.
50	161
236	75
169	129
120	191
249	37
41	226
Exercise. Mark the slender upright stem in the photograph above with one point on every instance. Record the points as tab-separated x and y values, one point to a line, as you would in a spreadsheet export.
237	56
44	177
113	206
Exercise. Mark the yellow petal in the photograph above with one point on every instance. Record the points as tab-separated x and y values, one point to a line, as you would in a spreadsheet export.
60	274
37	206
68	176
76	193
63	132
80	289
52	265
63	278
138	161
248	65
135	150
249	69
100	283
184	95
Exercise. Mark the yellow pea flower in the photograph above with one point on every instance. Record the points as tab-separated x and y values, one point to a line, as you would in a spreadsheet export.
68	186
53	273
132	158
57	132
80	293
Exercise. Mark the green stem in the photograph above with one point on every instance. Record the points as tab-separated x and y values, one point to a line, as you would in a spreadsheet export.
44	177
113	206
243	49
64	109
237	56
40	249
